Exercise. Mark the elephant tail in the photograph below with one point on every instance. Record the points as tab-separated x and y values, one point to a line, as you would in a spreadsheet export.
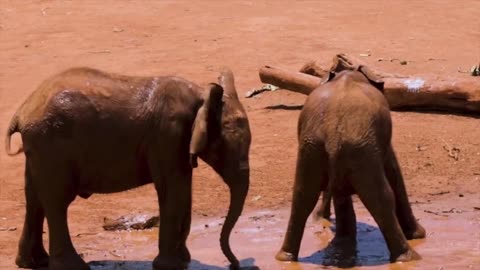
12	128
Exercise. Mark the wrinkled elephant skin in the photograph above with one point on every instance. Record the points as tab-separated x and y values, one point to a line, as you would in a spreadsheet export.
86	131
344	135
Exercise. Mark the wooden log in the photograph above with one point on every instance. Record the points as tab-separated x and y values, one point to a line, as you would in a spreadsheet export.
343	62
314	69
293	81
418	93
410	93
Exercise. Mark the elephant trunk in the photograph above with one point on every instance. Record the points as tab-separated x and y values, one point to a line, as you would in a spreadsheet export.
238	193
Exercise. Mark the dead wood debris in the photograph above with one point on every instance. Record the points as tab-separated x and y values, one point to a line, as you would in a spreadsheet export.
452	152
435	213
140	222
264	88
9	229
438	193
474	70
257	218
453	210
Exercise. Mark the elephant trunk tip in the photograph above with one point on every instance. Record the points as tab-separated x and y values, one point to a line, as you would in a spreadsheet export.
238	194
225	246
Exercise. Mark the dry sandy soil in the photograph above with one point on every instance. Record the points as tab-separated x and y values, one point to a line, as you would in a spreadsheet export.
40	38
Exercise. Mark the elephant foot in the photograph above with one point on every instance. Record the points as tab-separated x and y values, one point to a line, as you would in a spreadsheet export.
71	262
344	241
163	263
417	233
409	255
32	259
322	213
284	256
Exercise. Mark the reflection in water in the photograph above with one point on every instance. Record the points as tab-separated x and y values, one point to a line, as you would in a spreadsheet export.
369	249
452	243
247	264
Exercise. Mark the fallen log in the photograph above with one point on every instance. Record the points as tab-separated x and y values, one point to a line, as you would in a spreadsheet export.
343	62
293	81
402	92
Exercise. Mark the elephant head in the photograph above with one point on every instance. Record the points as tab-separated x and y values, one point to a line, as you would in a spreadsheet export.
221	137
369	75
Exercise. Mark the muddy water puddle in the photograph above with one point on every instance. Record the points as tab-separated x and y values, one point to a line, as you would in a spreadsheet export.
453	242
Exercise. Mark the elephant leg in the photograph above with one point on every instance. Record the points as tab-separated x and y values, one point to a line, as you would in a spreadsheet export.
410	227
342	250
186	224
56	192
31	253
371	185
309	180
175	216
324	210
346	223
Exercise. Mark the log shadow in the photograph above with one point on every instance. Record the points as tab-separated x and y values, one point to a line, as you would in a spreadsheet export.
246	264
284	107
436	111
370	250
402	109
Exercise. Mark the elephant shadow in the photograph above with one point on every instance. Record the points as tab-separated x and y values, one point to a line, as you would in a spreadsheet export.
370	250
246	264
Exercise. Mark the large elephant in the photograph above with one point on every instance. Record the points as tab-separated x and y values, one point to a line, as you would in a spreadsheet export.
344	136
86	131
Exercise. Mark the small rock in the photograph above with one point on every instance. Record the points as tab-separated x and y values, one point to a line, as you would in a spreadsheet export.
256	198
460	195
117	30
421	148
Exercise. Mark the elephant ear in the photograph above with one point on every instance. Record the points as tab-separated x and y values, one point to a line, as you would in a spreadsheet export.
372	78
207	112
227	81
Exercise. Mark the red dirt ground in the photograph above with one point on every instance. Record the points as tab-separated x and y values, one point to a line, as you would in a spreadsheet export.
40	38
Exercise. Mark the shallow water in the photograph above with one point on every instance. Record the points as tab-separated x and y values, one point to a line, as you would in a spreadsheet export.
453	242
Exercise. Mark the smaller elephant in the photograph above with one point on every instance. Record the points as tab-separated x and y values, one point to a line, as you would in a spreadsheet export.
344	136
86	131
